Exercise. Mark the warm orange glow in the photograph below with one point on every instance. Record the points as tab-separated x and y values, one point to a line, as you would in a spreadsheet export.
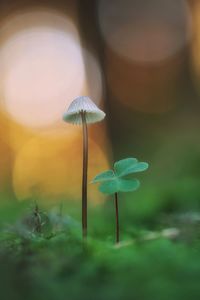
51	169
43	68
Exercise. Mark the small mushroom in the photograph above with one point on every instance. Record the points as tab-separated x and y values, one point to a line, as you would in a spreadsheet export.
83	111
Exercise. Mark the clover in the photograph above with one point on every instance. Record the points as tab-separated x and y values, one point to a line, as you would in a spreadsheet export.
112	182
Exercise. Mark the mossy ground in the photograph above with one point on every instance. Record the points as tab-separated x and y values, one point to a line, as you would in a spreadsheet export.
54	262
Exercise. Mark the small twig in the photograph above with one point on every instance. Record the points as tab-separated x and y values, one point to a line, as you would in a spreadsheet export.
38	224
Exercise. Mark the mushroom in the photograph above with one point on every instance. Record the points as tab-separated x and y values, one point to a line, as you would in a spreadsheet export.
83	111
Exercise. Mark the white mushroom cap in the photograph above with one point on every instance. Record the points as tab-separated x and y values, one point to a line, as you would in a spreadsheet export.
83	104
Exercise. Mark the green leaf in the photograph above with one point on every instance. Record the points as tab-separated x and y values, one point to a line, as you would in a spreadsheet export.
138	167
104	176
112	182
119	185
128	185
121	166
109	187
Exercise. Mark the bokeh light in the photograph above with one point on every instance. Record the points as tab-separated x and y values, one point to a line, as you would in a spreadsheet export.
51	169
43	69
145	31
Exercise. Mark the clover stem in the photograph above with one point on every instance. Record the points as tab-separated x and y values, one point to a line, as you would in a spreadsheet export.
84	176
117	217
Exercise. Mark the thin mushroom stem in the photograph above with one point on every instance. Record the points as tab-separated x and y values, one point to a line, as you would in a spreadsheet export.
117	218
84	178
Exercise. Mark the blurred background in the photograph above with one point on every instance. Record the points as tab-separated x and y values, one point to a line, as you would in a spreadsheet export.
139	61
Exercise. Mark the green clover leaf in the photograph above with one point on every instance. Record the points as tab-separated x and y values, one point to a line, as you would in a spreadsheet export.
128	185
138	167
122	165
109	187
112	181
104	176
